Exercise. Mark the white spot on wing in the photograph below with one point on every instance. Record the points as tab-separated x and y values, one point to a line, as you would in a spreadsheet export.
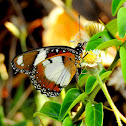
57	50
20	61
40	57
56	71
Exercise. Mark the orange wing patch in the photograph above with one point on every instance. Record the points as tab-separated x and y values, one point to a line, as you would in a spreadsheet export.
41	78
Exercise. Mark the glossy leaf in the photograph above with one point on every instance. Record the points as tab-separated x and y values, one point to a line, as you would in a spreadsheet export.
89	85
50	109
83	79
112	27
67	122
121	22
94	114
116	4
73	96
123	60
98	39
113	42
92	82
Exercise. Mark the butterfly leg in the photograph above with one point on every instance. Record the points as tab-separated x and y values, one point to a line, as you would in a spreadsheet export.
77	75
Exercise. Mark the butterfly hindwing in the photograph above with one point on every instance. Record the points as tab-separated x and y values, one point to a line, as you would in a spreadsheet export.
54	73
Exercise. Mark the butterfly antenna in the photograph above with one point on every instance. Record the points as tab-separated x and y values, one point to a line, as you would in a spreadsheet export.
85	55
79	27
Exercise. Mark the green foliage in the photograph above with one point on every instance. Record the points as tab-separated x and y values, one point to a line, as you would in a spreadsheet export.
59	112
94	114
50	109
112	27
113	42
98	39
92	82
67	122
121	22
116	4
123	60
69	102
83	79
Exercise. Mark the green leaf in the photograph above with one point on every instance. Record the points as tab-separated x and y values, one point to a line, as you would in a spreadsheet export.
116	4
50	109
121	22
1	116
83	79
89	84
123	60
92	82
111	27
67	122
98	39
113	42
73	96
83	73
94	114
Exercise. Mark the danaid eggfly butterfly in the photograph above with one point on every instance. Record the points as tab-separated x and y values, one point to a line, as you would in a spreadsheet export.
50	68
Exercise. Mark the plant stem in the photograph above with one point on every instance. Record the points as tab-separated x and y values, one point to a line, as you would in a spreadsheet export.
115	110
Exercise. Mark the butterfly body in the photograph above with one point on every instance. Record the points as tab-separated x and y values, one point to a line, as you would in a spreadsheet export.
50	68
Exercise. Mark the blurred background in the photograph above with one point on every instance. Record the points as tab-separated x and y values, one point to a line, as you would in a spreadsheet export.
38	23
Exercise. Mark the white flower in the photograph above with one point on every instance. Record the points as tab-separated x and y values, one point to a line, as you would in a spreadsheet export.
91	58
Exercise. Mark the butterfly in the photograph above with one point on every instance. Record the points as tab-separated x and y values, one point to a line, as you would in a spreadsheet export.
50	68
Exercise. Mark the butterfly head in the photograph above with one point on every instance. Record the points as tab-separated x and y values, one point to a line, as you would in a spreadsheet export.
80	47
